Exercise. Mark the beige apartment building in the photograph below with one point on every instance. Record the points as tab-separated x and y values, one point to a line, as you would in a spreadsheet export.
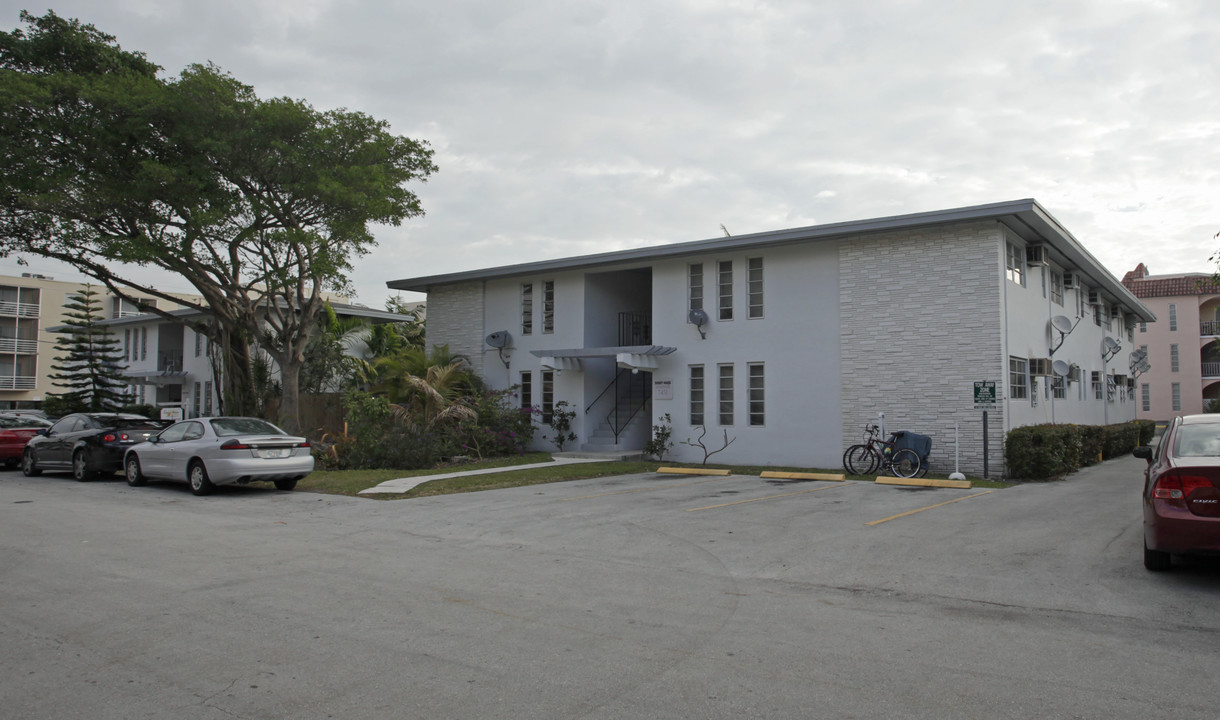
30	304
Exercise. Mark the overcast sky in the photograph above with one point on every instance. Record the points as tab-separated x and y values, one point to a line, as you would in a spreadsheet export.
564	127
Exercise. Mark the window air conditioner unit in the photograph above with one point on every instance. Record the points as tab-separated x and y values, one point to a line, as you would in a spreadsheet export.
1071	281
1074	374
1040	366
1036	255
1094	297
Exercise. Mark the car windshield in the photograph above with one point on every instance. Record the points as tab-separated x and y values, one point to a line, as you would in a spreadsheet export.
1201	440
226	427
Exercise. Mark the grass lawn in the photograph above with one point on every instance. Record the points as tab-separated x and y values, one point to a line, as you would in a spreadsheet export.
351	482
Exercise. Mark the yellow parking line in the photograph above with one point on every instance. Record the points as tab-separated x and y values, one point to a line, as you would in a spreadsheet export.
647	489
930	507
769	497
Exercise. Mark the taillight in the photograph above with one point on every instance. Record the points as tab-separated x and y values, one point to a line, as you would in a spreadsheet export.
234	445
1176	486
303	445
109	437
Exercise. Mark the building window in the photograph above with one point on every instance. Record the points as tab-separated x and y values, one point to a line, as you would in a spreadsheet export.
1016	264
144	343
1143	327
1097	312
726	394
754	278
1173	316
1097	390
207	397
527	308
1057	287
1058	388
548	306
548	396
758	398
197	405
1018	379
527	390
1146	397
198	344
694	285
725	271
1105	311
127	344
1173	358
696	395
1177	397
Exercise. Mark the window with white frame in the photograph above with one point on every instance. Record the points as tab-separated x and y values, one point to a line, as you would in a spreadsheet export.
724	271
1146	397
1143	327
1057	287
1016	264
548	396
548	306
758	396
694	285
527	390
754	279
1173	358
1097	386
726	394
127	344
696	395
1018	378
198	344
207	397
1176	389
1058	388
1173	316
527	308
143	343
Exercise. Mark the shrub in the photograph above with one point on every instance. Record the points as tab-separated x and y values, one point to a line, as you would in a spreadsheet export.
1040	452
502	427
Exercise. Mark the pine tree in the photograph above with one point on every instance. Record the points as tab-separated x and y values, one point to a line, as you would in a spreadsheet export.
89	363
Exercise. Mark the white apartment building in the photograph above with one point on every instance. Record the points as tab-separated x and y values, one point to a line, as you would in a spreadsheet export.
787	343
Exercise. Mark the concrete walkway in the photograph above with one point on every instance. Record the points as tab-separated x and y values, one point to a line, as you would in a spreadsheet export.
402	485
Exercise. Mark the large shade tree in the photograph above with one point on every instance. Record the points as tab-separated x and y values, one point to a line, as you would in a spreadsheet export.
260	205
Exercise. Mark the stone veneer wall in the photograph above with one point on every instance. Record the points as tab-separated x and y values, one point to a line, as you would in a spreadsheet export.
455	318
921	319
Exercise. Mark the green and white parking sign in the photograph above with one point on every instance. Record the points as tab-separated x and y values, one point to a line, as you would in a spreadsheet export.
984	395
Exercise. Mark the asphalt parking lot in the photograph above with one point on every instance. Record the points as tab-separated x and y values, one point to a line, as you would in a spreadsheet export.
639	596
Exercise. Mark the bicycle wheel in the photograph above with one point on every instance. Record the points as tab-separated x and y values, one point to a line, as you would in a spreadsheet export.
905	463
859	460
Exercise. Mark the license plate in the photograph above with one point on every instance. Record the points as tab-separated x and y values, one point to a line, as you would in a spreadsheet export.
274	453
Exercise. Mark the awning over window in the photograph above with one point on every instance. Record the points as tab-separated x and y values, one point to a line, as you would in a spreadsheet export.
633	357
155	377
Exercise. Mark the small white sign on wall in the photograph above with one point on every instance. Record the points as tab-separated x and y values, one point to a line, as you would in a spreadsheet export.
171	413
662	389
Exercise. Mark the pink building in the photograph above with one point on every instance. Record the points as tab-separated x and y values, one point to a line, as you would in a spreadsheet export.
1181	345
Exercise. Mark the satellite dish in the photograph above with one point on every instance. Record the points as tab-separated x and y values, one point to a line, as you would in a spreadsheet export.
499	339
1063	324
1061	368
698	318
1110	345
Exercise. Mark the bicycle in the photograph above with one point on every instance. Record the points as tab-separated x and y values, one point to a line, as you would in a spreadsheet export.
875	454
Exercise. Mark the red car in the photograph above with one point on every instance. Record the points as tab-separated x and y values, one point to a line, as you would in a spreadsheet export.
15	432
1182	491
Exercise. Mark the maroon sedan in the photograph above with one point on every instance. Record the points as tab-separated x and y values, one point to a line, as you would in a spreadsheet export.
1182	491
15	432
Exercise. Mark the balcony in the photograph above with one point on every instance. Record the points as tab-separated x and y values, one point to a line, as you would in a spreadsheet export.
1211	369
17	382
1209	327
12	307
18	345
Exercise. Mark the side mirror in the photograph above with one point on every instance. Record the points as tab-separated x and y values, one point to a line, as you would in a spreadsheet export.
45	432
1144	452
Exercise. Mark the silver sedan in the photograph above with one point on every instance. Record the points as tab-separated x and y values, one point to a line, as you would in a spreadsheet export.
207	452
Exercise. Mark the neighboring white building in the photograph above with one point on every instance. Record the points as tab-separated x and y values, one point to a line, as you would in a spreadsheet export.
810	334
1181	345
171	366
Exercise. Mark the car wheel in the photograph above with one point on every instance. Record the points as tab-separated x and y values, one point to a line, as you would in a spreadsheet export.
1155	560
197	475
80	466
285	484
131	468
29	467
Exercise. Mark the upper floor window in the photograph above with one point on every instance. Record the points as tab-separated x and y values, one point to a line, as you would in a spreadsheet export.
527	308
1016	264
725	273
1146	397
1057	287
1176	390
1143	327
694	285
548	306
754	278
1173	316
1173	358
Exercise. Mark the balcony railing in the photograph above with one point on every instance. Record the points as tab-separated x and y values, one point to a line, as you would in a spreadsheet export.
18	345
1209	327
12	307
1211	369
634	328
17	382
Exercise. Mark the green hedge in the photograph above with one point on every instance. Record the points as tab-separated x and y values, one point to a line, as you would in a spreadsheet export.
1041	452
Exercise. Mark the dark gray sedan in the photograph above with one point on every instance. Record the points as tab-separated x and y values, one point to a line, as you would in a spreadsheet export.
207	452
